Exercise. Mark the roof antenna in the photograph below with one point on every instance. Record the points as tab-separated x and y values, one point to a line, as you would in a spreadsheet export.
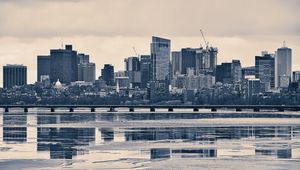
284	45
62	45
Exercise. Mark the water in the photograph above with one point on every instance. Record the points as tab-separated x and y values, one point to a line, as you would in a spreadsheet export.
142	140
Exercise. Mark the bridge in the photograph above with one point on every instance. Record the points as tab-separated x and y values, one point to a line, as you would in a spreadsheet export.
152	108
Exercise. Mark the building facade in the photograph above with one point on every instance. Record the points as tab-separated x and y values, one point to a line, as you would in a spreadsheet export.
265	71
145	66
14	75
86	72
64	65
107	74
176	62
43	66
283	66
160	59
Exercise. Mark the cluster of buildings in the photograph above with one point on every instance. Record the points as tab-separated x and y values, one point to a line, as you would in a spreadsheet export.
163	72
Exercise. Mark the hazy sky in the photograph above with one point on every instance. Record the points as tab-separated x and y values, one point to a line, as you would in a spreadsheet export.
108	29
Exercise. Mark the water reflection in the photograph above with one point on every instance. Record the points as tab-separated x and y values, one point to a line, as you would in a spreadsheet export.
159	143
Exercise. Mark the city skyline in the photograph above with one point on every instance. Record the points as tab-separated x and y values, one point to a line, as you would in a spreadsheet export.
110	38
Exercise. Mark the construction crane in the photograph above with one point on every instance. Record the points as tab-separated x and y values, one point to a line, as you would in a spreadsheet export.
135	51
205	42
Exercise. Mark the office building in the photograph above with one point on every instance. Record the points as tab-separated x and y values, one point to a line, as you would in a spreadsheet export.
86	72
248	72
145	66
176	62
43	66
283	66
224	74
107	74
265	71
132	66
188	59
160	59
14	75
63	65
206	61
229	73
296	76
83	58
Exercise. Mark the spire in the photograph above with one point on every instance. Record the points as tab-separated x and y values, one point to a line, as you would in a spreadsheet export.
284	44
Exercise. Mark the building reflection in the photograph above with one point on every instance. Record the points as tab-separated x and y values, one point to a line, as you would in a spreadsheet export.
46	118
67	142
14	127
159	153
64	143
199	115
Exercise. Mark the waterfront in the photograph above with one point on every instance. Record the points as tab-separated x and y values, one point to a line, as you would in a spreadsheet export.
144	140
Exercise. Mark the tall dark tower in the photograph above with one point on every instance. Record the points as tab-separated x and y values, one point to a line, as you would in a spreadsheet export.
107	74
43	66
63	65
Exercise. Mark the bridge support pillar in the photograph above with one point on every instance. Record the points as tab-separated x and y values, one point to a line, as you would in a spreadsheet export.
52	110
111	109
152	109
280	109
213	109
6	110
93	109
71	109
25	110
131	109
238	109
170	109
256	109
196	110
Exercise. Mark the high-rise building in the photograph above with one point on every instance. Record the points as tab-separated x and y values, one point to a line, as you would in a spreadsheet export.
132	65
236	72
63	65
188	59
160	58
207	61
145	66
248	72
229	73
296	76
176	62
43	66
265	71
14	75
107	74
283	66
83	58
224	73
86	72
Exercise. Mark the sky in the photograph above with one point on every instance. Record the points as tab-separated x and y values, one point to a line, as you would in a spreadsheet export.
108	30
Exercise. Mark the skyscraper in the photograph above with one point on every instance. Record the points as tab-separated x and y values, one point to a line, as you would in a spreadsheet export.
206	62
265	71
145	66
283	66
63	65
86	72
188	59
43	66
83	58
296	76
176	62
132	66
107	74
14	75
160	58
224	73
